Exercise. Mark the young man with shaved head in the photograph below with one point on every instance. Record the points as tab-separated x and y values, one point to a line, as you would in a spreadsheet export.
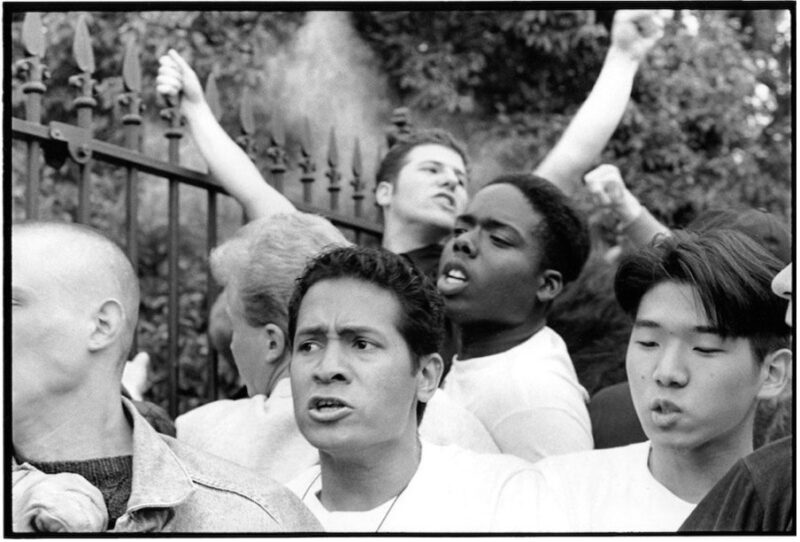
75	299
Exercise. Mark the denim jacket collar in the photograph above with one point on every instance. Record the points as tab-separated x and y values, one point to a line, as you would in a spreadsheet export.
160	482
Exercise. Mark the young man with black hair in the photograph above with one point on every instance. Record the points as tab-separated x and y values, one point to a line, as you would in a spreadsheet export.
757	494
708	343
513	250
366	326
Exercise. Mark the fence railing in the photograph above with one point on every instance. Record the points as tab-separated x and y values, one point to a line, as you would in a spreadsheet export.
48	143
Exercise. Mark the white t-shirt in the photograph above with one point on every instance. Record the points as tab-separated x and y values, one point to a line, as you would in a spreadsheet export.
259	433
610	490
448	423
528	397
453	490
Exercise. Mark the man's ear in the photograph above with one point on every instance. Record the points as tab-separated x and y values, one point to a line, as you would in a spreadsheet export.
776	371
383	193
429	374
276	343
550	285
109	322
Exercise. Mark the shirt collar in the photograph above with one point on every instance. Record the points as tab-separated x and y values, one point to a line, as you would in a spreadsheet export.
159	478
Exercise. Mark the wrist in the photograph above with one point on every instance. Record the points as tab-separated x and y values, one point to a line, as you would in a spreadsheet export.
194	110
629	210
623	58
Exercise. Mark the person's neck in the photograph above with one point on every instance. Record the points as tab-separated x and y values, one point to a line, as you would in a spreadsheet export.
366	480
84	424
400	238
690	474
281	372
480	339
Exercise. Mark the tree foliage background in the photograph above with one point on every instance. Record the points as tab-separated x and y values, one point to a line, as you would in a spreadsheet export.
708	125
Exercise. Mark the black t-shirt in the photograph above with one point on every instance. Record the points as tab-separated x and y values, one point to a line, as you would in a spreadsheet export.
756	495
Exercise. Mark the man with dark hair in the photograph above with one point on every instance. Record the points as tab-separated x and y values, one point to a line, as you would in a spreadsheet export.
366	326
757	494
75	301
511	253
258	267
708	343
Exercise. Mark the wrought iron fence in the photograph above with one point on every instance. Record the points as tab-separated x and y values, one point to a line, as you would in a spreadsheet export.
50	143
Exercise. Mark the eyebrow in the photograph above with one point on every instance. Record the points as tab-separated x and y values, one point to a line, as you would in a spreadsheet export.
346	330
487	223
652	324
458	170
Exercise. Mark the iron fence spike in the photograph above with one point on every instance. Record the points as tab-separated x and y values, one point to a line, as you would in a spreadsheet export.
82	46
33	34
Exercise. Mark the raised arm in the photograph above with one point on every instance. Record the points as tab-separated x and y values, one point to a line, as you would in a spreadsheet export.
227	162
609	192
633	33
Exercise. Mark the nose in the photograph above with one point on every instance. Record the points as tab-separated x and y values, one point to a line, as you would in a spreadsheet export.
782	283
464	244
670	370
449	179
330	366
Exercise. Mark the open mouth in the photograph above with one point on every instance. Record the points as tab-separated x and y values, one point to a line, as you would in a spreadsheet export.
328	409
664	413
452	279
448	199
325	403
454	276
662	406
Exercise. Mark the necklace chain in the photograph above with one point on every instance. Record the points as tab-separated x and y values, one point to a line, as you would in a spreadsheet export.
388	511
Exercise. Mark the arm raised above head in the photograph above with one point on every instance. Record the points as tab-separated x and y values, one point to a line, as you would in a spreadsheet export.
633	33
609	192
227	162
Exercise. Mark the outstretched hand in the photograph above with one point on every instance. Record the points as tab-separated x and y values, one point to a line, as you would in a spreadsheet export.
176	76
609	192
53	503
635	31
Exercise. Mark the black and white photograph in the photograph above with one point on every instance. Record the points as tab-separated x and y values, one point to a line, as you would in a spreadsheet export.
430	268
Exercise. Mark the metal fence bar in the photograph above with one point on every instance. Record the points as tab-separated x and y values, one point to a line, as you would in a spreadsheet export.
212	291
333	174
84	104
132	124
306	163
173	135
33	73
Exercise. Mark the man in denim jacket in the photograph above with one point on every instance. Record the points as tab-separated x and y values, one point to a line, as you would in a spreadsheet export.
84	458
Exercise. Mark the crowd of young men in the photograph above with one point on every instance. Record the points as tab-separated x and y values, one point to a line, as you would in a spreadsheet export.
353	404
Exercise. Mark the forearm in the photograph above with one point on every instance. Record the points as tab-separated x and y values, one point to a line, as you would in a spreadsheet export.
231	166
593	124
641	230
